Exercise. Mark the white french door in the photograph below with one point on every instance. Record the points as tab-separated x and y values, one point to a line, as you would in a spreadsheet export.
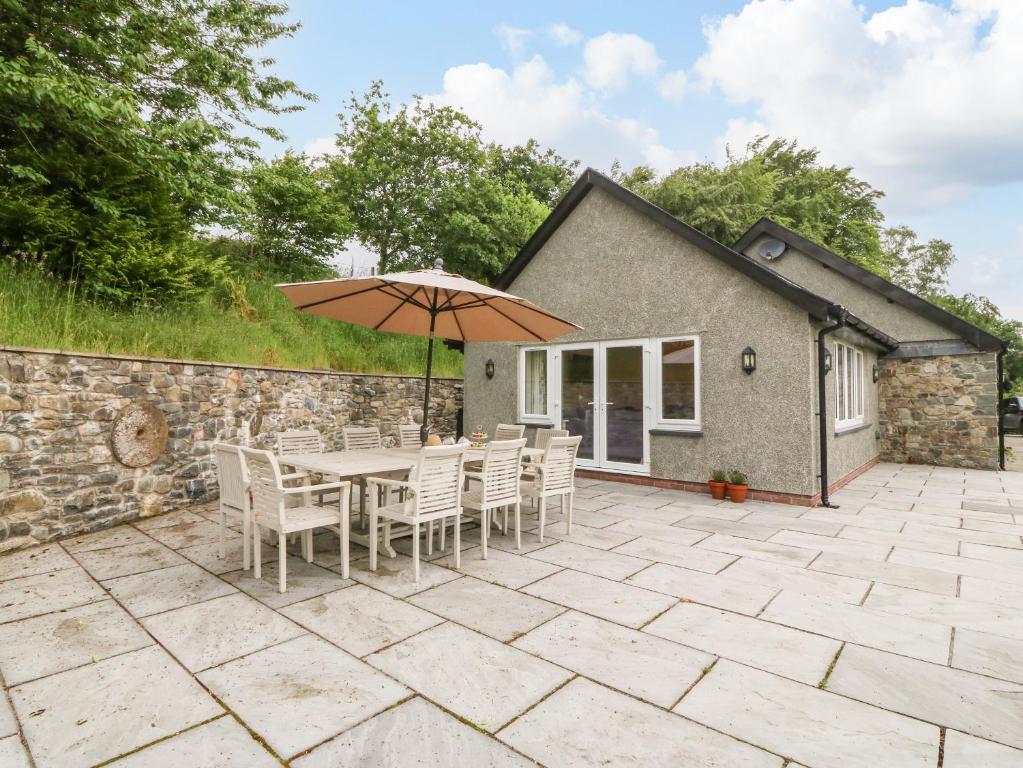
602	392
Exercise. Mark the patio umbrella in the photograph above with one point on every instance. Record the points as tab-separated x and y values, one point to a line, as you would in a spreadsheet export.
428	302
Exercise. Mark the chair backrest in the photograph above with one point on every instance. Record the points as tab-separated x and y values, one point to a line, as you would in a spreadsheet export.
361	438
410	436
509	431
438	478
232	476
544	435
265	485
559	463
502	468
299	441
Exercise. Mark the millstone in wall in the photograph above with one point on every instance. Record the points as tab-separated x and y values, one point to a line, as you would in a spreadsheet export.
139	435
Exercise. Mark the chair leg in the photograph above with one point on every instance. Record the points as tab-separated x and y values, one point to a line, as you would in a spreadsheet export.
346	533
373	539
484	530
282	565
504	524
458	541
543	514
429	537
246	538
518	525
415	552
223	525
307	545
568	516
443	533
257	550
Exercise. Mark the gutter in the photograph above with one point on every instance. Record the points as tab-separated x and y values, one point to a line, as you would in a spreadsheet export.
822	403
998	409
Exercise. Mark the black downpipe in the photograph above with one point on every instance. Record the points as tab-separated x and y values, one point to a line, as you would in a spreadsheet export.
998	410
822	406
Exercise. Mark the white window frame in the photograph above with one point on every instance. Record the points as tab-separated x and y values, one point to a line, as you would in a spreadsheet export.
852	384
676	425
535	418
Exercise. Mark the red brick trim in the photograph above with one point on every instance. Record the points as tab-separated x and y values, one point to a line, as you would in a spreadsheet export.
777	497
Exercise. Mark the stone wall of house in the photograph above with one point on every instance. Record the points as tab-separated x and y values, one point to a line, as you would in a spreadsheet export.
58	472
940	410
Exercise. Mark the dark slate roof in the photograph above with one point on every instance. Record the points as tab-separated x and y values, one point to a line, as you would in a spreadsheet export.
969	332
817	306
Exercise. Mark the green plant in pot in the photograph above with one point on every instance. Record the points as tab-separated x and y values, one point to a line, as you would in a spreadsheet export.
718	483
738	486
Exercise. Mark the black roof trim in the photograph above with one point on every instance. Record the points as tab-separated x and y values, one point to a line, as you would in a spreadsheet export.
937	348
978	337
817	306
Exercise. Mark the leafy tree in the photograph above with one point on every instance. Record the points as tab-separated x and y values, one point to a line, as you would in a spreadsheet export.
421	184
918	267
119	133
982	312
291	220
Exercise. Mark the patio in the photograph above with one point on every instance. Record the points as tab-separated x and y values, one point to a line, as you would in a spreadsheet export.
668	629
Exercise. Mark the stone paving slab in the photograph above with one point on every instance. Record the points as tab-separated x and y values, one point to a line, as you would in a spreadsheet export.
648	529
661	551
761	644
760	550
504	568
605	599
222	743
649	668
12	753
32	562
922	542
100	711
927	579
486	682
597	562
708	589
988	654
8	723
156	591
188	534
127	560
964	751
981	706
55	642
802	722
117	536
776	576
501	613
29	596
360	620
585	724
413	733
951	611
1005	593
305	580
302	692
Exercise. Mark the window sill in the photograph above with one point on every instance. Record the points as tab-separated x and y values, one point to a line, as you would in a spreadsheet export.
850	428
677	432
535	423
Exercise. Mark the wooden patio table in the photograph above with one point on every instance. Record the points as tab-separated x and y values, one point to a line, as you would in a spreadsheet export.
376	461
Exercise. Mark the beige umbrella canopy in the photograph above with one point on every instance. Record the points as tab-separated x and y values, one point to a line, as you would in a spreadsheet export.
428	302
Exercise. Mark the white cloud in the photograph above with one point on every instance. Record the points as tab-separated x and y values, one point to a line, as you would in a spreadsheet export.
324	145
531	102
924	101
562	34
513	39
673	85
612	57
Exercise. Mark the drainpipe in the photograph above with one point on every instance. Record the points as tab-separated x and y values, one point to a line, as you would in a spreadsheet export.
822	404
998	410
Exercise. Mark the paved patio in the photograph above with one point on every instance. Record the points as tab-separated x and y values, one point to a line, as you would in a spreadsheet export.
666	630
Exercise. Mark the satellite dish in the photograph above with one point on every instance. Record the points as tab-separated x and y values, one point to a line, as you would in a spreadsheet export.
771	249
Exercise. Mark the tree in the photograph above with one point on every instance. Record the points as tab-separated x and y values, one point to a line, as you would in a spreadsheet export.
773	178
291	220
421	184
119	133
918	267
982	312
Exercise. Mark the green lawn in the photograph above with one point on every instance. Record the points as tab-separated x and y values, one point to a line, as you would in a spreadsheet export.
257	327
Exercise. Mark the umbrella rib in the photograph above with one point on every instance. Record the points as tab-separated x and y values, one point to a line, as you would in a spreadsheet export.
338	298
527	305
506	316
407	298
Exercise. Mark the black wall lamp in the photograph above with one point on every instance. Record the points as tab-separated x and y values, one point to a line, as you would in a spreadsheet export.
749	360
489	369
827	361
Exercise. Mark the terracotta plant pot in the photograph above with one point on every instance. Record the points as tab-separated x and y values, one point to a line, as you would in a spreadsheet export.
737	493
717	490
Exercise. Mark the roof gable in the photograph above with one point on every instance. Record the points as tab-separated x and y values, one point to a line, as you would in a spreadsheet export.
976	336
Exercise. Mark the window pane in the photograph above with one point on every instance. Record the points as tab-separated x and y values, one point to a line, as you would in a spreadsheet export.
536	382
840	379
859	384
678	379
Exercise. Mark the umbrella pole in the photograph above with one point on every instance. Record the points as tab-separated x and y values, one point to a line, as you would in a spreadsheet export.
424	431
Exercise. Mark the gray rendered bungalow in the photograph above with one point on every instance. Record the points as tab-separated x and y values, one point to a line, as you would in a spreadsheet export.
659	381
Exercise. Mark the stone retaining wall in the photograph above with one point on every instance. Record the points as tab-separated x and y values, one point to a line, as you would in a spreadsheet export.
940	410
59	476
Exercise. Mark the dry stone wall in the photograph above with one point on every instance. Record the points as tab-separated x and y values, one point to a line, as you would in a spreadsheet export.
59	471
940	410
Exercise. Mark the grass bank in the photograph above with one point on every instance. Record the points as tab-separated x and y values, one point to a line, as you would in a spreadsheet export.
257	327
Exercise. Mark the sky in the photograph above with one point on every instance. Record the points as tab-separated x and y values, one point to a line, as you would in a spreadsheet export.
923	99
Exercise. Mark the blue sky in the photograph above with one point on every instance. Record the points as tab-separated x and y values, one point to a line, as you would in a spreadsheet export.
925	100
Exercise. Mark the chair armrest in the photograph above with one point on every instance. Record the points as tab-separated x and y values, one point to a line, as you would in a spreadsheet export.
295	476
340	486
389	483
474	475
